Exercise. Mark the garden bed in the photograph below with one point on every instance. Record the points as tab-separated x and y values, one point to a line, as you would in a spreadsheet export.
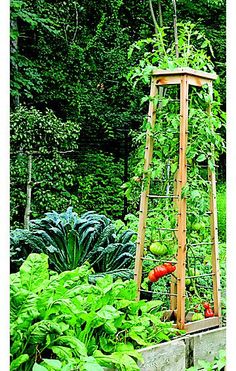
179	354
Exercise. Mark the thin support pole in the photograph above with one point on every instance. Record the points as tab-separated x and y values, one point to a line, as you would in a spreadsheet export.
173	282
182	203
146	186
214	231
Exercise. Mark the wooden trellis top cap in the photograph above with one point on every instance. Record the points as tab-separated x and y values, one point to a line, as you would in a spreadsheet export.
195	77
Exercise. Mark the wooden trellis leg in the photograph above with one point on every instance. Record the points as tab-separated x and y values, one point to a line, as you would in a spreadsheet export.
173	282
182	179
146	186
214	232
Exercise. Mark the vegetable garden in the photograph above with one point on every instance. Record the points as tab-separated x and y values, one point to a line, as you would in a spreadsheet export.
96	272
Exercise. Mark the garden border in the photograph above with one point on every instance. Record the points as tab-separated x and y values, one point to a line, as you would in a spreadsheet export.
184	352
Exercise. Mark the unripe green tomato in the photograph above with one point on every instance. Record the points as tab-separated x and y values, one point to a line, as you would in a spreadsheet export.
197	317
187	282
198	226
158	249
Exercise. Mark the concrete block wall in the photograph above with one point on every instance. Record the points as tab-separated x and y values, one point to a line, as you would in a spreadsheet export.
182	353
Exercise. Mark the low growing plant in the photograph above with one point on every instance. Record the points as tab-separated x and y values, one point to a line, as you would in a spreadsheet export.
56	323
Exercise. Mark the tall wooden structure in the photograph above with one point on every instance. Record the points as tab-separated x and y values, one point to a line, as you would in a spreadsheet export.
184	77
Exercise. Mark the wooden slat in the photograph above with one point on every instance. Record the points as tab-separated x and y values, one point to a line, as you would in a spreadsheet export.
197	80
182	179
202	324
168	80
185	71
214	233
144	199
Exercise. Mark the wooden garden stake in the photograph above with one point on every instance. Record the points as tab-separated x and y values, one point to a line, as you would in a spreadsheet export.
145	191
182	207
214	231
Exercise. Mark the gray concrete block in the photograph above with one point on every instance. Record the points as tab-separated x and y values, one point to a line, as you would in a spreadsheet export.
164	357
179	354
207	345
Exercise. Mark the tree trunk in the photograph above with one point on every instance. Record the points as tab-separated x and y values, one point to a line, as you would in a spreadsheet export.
153	16
13	50
28	192
175	30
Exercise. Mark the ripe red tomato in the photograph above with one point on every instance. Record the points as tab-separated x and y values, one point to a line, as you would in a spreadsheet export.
160	271
206	305
152	276
171	268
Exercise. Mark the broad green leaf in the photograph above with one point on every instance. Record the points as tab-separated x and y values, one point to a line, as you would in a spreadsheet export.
39	330
133	335
64	353
108	312
34	272
154	304
15	365
54	363
90	364
201	158
37	367
74	343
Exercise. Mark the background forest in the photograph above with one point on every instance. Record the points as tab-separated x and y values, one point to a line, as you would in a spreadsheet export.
74	111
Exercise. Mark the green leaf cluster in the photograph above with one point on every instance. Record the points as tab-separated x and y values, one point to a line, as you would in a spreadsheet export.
70	241
57	324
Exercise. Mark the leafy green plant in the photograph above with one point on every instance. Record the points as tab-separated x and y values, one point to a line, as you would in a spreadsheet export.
217	364
221	211
55	317
23	243
70	240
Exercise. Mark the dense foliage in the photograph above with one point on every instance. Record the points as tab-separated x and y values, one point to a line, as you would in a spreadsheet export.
72	58
57	324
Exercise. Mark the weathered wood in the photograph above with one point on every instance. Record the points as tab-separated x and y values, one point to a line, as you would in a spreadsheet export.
197	80
185	71
214	232
176	79
168	80
182	204
146	186
173	282
202	324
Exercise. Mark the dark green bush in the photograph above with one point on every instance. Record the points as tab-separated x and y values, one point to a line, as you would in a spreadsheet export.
70	241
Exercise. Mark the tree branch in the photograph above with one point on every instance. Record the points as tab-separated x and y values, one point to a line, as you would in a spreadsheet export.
153	17
175	30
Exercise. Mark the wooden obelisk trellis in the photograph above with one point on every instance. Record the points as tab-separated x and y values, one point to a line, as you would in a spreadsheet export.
184	77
